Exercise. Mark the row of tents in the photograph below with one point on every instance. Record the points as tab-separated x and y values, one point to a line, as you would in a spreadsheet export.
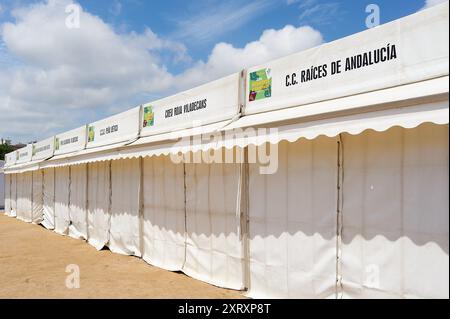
268	180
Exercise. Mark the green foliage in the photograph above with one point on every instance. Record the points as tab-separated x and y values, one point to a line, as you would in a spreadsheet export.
5	149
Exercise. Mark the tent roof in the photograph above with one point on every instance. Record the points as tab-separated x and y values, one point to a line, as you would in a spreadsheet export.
406	106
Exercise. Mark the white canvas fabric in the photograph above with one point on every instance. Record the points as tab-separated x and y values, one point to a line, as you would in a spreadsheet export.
215	102
13	212
43	149
24	154
395	213
10	159
2	187
412	63
292	222
37	213
99	216
7	194
118	128
49	198
78	202
213	246
163	213
62	187
17	194
71	141
24	193
125	231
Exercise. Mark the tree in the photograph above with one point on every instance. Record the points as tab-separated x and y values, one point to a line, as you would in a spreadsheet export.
5	149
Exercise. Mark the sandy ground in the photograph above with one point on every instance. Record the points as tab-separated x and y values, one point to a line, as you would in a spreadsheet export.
33	264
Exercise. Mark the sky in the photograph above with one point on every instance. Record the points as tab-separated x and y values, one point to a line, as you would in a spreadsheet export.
58	72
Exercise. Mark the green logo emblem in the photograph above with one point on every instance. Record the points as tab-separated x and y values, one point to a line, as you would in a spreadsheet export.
149	116
91	133
260	85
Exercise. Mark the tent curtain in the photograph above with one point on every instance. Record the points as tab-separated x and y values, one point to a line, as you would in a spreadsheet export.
13	195
99	216
78	202
125	230
18	195
292	222
163	213
62	187
37	211
7	194
24	193
395	215
49	198
213	246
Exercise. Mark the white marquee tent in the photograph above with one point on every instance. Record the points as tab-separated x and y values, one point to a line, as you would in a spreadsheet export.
338	188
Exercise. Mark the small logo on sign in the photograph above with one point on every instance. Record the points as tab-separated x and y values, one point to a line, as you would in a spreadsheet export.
149	116
91	133
260	85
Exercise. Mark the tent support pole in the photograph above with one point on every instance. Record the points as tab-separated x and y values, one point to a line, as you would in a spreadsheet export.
70	195
141	206
32	198
87	201
109	212
16	198
42	192
185	212
339	206
243	207
54	198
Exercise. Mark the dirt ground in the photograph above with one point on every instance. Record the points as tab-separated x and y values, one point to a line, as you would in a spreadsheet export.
33	264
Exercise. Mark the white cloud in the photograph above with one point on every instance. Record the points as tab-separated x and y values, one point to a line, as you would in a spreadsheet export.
431	3
57	78
226	59
74	74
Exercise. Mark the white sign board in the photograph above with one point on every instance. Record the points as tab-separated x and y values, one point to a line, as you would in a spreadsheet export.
10	158
44	149
24	154
71	141
408	50
210	103
115	129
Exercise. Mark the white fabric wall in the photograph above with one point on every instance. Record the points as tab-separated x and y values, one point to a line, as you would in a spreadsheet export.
125	231
7	194
18	195
395	215
99	216
37	212
213	246
24	194
78	202
13	212
2	189
49	198
62	188
292	228
164	213
396	218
